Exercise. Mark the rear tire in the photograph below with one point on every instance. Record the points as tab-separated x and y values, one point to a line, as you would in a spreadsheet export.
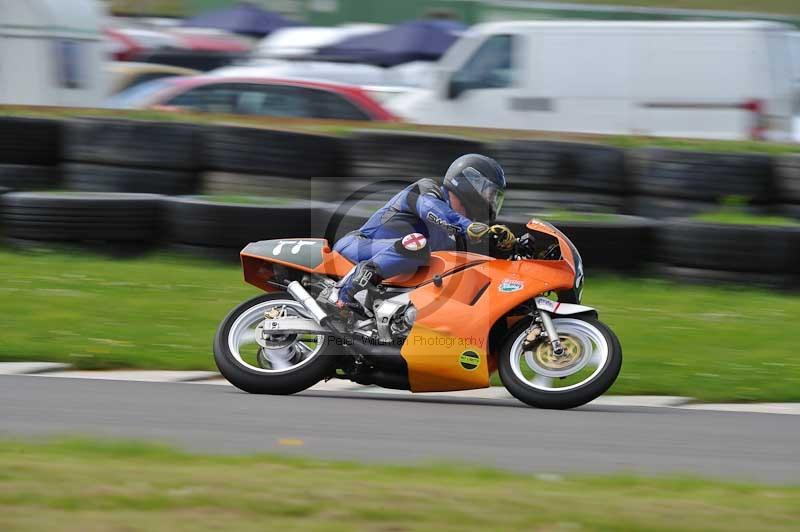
281	382
576	396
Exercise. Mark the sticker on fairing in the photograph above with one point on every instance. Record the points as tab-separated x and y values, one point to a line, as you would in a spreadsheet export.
542	303
469	360
414	241
511	285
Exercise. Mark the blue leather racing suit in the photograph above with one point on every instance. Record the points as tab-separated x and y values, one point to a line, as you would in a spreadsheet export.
400	236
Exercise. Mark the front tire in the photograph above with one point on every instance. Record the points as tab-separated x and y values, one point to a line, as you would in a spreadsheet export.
295	364
535	377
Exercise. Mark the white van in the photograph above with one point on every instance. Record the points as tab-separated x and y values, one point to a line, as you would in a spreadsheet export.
52	52
725	80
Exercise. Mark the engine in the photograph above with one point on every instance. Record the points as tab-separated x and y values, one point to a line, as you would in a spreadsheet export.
394	317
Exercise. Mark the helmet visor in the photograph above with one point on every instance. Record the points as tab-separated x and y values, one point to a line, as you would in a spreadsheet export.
487	189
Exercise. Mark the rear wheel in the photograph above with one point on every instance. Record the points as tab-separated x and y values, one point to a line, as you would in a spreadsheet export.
589	366
285	364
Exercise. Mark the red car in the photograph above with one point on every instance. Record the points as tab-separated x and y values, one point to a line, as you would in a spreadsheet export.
255	97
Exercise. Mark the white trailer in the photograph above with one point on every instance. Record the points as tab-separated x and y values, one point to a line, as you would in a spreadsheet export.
728	80
52	52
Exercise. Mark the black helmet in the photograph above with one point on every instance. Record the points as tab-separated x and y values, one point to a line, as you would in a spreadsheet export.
480	184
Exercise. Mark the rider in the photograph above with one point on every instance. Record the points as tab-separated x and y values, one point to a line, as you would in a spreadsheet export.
422	218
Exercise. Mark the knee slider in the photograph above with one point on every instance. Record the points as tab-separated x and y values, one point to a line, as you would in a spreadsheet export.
366	274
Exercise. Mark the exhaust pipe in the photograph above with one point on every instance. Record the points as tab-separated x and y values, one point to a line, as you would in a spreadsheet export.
302	296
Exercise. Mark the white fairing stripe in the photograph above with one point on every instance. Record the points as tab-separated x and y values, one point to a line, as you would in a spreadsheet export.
561	309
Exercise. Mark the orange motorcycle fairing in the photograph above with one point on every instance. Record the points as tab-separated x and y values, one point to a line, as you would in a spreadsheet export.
448	348
448	345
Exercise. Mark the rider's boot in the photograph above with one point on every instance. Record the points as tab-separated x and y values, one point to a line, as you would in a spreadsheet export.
355	288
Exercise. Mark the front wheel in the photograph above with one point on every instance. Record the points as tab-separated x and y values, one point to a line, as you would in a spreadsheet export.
284	364
589	366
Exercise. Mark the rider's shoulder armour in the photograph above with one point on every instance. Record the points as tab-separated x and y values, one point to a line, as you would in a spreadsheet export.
428	186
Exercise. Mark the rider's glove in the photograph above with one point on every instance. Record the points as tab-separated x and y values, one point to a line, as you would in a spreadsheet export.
477	230
504	237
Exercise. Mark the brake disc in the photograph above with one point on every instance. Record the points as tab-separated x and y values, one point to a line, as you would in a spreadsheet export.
542	359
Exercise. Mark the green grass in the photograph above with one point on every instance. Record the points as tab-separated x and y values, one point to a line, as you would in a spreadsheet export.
79	485
342	128
568	216
740	218
714	344
96	313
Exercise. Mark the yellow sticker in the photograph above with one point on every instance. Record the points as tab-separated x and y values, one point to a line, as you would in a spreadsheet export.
470	360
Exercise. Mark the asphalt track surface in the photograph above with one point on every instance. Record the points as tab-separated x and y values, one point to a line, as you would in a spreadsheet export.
394	429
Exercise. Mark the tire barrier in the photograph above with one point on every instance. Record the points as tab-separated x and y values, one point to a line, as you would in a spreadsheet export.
621	243
370	190
115	160
792	210
271	152
519	201
381	154
219	229
700	176
755	252
106	178
234	184
3	190
787	173
119	219
711	277
30	149
129	143
131	156
30	141
662	208
28	177
561	166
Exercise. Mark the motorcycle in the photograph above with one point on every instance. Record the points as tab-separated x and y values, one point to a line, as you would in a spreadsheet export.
447	327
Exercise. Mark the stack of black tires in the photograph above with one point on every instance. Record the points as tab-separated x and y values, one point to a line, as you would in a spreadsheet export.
570	176
588	179
131	156
381	163
393	154
691	250
675	183
787	173
210	228
115	223
276	167
135	184
30	151
265	162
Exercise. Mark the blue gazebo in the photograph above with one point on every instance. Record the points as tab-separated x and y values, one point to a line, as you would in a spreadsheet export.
418	40
243	18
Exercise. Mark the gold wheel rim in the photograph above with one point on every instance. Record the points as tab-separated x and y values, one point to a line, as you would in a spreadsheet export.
545	357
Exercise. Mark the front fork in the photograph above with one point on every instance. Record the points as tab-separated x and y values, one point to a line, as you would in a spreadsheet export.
542	319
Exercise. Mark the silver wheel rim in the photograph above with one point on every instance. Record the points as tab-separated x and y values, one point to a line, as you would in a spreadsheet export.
242	336
594	357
